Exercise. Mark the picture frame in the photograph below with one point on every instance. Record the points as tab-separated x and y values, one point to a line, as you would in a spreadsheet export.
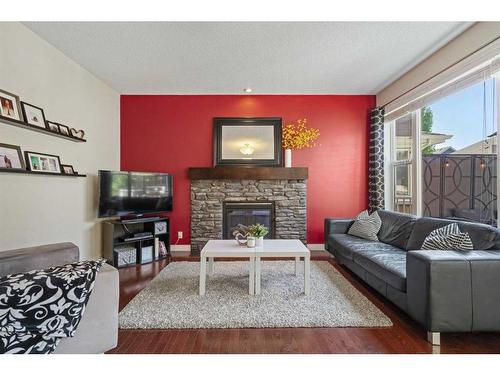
247	141
80	134
33	115
43	163
53	127
162	249
10	106
67	169
64	130
11	157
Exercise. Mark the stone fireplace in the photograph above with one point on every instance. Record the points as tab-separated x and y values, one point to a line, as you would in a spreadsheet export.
280	201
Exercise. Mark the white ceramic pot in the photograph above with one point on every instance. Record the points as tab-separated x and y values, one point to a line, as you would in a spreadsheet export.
288	158
259	241
251	241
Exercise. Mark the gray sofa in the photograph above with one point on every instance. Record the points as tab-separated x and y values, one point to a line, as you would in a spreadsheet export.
444	291
98	329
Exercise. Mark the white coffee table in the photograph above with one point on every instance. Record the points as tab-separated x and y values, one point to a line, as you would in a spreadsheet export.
226	249
284	249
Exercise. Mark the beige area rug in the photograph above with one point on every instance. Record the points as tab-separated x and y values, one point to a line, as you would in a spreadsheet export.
171	300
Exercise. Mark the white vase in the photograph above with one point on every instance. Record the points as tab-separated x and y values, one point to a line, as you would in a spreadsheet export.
250	241
259	241
288	158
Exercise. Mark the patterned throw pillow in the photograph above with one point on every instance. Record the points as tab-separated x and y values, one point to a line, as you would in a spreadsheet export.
448	238
366	226
40	307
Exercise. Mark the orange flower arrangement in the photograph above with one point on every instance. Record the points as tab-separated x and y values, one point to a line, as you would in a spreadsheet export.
297	136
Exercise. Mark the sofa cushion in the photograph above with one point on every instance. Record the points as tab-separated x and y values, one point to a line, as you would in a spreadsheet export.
346	245
396	228
98	329
387	264
448	237
37	257
484	237
366	226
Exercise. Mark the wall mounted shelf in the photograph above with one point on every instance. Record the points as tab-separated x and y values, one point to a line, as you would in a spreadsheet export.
25	125
22	171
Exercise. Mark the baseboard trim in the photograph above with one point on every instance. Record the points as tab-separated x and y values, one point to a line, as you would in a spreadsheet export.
185	248
316	246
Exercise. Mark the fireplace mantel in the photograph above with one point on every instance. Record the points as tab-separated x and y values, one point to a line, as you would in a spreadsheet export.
248	173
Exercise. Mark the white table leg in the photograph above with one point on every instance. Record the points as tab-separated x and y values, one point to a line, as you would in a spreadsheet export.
257	275
203	274
297	264
307	272
211	266
251	276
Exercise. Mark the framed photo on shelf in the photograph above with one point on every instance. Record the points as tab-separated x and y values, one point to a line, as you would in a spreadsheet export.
11	157
38	162
10	105
64	130
80	134
53	127
67	169
162	249
33	115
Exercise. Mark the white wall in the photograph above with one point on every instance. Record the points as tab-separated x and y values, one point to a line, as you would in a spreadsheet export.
472	39
38	210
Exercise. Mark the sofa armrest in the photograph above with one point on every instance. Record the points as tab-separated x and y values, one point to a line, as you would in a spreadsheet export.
452	291
37	258
98	329
336	226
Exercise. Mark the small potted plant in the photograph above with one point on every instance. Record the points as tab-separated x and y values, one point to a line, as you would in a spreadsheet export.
258	231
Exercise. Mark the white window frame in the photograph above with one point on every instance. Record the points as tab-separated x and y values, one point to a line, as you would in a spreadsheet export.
497	92
415	163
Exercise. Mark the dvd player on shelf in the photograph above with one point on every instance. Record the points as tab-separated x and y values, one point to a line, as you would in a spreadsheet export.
135	238
142	234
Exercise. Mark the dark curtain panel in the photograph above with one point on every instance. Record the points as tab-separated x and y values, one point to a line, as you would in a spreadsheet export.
376	160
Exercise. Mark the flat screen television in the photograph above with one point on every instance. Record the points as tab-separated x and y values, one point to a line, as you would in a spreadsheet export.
134	193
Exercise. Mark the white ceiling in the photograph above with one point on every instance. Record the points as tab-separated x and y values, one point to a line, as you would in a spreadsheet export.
269	57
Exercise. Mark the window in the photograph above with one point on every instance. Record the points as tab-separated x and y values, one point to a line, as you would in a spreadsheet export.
459	160
403	154
453	172
402	166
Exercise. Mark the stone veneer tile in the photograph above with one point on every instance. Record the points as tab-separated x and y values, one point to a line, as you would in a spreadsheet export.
208	196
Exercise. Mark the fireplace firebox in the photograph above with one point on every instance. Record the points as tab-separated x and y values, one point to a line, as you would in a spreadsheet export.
247	213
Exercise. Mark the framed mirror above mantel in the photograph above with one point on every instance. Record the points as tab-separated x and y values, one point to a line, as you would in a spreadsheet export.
247	141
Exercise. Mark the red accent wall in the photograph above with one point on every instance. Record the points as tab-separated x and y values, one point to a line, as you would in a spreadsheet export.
170	133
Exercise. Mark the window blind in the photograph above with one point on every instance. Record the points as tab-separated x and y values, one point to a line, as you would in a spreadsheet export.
472	70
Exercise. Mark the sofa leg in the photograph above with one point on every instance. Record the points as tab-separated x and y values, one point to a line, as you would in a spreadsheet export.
434	338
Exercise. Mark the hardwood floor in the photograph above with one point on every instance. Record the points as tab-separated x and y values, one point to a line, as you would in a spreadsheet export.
404	337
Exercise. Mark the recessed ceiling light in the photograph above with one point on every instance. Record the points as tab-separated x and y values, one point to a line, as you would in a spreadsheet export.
248	90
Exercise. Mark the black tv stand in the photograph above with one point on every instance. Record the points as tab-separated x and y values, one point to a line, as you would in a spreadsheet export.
141	236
